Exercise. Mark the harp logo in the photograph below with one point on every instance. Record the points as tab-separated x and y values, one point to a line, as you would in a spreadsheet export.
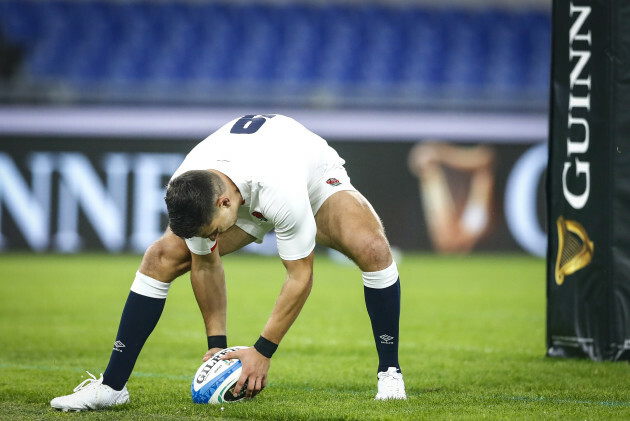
575	249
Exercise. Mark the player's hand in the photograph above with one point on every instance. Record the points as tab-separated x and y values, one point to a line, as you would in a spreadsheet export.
210	353
255	368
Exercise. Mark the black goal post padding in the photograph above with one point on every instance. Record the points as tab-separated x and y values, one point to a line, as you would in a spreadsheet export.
588	181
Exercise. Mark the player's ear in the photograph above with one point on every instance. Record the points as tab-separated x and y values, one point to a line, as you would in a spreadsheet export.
224	201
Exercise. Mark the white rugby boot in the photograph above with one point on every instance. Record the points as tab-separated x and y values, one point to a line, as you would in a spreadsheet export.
91	394
390	385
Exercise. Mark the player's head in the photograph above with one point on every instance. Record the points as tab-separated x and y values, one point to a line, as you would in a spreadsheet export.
191	201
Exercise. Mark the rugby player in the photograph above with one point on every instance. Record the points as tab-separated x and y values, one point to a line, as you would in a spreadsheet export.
255	174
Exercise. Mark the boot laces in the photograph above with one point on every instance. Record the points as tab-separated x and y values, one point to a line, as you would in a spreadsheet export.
88	382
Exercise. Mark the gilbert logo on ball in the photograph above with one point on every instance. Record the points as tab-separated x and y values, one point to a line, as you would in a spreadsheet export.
215	379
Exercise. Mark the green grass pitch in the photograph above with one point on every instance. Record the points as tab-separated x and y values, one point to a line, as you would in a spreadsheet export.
472	343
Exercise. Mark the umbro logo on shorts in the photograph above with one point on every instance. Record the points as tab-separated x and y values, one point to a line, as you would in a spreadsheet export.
333	182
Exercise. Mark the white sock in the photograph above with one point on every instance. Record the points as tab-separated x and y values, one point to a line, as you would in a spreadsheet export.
382	278
149	287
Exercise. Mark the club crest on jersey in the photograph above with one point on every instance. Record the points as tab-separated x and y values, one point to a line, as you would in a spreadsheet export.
259	215
333	182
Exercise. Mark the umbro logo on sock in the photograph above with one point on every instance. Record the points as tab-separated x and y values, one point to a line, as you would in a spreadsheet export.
118	346
386	339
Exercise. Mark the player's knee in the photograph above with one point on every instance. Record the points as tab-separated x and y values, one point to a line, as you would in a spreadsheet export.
373	253
165	261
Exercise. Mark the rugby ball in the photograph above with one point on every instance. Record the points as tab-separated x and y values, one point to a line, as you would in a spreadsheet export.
215	380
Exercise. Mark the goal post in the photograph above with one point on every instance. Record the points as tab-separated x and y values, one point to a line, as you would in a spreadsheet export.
588	181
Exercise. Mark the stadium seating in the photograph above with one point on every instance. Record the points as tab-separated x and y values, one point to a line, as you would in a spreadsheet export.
295	53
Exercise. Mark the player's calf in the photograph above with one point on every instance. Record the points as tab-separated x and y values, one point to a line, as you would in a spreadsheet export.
382	300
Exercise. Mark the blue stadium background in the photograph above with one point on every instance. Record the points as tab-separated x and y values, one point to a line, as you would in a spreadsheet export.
302	53
101	99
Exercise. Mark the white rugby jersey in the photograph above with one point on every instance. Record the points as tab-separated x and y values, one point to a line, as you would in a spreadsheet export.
274	161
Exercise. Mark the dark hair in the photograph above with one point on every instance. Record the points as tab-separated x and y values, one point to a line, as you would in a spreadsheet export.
191	201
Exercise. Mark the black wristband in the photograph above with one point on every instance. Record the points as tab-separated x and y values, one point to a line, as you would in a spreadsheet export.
217	341
265	347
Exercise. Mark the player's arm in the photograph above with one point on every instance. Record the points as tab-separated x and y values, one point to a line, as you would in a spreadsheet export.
295	234
293	295
208	282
